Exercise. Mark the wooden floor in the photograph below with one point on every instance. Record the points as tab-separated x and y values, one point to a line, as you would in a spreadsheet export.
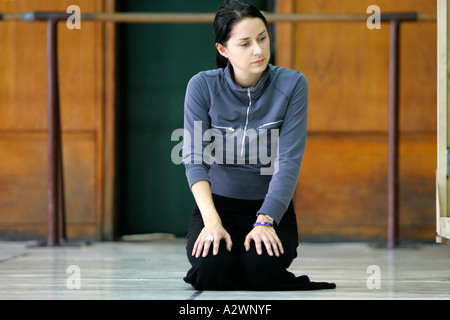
153	270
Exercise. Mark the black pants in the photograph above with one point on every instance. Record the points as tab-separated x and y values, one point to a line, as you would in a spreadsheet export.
239	269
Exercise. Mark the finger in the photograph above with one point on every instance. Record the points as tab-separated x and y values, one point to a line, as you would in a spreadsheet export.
268	246
194	249
277	245
228	241
275	248
248	238
258	246
280	245
199	249
198	246
216	244
206	245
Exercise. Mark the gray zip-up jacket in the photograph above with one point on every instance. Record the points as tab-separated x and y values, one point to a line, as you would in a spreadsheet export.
247	142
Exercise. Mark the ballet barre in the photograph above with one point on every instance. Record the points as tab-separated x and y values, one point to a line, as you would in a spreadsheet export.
56	203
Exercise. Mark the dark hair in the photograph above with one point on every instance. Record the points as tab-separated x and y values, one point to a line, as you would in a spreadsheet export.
231	12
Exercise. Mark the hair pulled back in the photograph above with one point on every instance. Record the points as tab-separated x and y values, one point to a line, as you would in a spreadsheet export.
231	12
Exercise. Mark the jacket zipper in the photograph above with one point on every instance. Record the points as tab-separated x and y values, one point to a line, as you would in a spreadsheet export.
268	124
246	121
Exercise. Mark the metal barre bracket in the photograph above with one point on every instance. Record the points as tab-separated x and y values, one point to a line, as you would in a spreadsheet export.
404	16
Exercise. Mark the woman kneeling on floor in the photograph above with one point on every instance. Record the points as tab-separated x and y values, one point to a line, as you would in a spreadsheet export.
250	117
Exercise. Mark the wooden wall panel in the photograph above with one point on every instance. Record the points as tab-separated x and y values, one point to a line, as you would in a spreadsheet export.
23	184
347	66
23	120
23	85
342	187
342	190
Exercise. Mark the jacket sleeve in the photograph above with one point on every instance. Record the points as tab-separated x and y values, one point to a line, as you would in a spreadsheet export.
196	122
292	142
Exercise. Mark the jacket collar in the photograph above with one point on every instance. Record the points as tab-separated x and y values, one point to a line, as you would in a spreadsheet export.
242	92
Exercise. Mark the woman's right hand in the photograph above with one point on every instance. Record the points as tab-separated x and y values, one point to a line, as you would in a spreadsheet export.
217	232
213	225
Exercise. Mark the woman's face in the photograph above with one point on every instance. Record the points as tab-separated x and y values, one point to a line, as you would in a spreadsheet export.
248	50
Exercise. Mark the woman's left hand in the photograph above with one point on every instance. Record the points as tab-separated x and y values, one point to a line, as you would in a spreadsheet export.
266	235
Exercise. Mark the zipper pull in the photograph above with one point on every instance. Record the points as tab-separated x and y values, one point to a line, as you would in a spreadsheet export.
246	121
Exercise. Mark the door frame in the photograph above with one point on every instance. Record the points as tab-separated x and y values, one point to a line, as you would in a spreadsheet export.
442	182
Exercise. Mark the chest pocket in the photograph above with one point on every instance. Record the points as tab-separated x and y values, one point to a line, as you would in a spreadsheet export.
270	125
223	128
